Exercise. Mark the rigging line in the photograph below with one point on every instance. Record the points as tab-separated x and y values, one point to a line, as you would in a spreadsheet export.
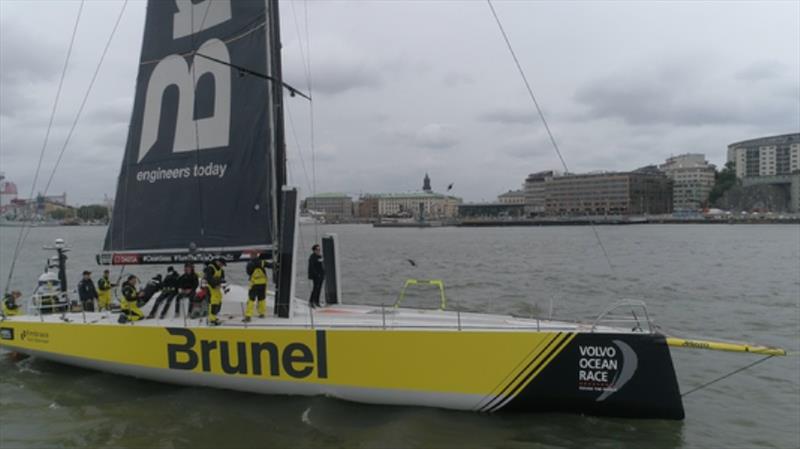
299	147
544	121
196	125
300	40
312	136
86	95
764	359
22	232
527	85
292	90
84	100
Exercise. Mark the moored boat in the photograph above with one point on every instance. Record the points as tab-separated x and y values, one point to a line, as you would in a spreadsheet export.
204	177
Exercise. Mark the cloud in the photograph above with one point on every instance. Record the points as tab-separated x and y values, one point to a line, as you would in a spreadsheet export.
761	71
27	67
455	79
692	98
338	65
510	117
24	59
436	136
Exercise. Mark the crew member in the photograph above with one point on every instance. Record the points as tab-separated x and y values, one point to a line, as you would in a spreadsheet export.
168	291
214	276
86	292
257	270
152	287
187	286
316	272
130	296
104	287
10	304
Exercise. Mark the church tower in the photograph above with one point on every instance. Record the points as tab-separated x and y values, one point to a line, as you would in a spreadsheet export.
426	184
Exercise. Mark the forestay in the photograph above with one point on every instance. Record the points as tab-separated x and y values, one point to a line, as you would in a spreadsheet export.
197	174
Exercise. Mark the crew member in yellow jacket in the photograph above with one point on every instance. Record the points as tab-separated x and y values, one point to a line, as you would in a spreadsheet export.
10	305
257	270
104	286
130	299
214	276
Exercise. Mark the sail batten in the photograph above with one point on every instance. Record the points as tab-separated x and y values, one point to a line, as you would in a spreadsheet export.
197	174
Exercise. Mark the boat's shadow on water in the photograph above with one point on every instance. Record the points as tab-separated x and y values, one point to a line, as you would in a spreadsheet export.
103	410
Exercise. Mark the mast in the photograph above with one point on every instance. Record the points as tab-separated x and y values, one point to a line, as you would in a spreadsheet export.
284	198
277	107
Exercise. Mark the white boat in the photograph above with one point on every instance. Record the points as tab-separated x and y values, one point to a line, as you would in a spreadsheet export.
216	188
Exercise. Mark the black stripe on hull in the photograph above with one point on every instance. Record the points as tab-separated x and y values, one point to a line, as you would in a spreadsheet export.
618	375
515	381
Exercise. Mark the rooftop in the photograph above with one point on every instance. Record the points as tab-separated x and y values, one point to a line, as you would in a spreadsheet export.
400	195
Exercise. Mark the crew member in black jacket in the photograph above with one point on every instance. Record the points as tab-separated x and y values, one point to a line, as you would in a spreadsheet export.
169	288
187	286
86	292
316	273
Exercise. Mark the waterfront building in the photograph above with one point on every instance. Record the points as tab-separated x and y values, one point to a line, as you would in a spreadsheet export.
433	205
692	179
8	192
512	197
335	206
643	191
367	207
771	160
766	156
535	193
491	210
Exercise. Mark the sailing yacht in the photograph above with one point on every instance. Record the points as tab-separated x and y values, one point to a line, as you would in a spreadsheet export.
204	177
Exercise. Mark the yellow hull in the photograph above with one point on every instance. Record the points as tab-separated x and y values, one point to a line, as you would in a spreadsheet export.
485	370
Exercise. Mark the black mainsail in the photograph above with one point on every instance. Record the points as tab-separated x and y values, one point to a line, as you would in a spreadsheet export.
198	177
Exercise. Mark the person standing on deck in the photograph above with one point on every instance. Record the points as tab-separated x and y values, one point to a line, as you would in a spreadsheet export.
10	304
214	276
316	272
187	286
86	292
257	270
104	287
130	296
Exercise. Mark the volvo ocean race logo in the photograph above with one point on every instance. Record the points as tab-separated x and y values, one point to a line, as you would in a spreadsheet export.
605	368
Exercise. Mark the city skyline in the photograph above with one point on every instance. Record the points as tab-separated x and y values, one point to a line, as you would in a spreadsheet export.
624	85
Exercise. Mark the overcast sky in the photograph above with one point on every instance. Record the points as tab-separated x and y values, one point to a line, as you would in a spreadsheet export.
404	87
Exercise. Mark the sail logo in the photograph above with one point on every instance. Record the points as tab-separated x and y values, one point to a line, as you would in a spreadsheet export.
192	133
296	360
605	368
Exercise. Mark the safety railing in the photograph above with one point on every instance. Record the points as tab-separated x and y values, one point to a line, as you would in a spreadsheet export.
615	316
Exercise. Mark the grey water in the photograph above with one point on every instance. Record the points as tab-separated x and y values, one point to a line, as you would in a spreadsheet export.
738	282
